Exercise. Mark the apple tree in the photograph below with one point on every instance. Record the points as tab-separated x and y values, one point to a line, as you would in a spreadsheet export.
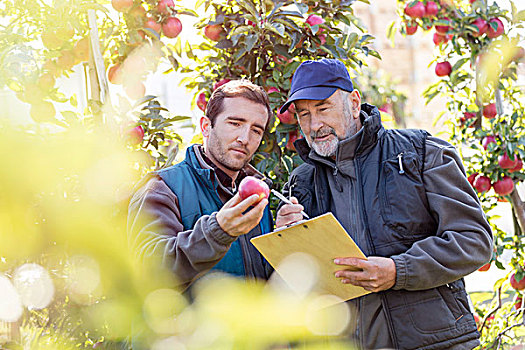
479	48
265	41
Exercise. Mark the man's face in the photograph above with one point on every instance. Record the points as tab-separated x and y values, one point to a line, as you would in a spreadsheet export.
325	122
236	135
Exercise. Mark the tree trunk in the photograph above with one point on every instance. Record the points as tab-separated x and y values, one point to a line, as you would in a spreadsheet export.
519	208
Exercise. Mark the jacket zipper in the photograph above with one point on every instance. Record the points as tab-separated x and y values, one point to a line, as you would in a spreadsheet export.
372	248
400	160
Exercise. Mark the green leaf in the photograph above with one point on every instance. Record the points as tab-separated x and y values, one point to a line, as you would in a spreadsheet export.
277	28
303	8
341	17
520	17
250	7
241	29
188	12
224	44
250	41
352	40
289	13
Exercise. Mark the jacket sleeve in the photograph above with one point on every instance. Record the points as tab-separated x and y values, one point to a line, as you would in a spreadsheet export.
463	241
155	230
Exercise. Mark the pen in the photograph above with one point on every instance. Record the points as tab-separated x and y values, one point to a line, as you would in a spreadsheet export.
287	201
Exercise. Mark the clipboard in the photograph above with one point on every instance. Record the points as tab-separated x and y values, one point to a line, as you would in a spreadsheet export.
323	238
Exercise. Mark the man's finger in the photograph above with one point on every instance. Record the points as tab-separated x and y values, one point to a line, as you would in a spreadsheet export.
236	199
290	209
242	206
257	212
355	262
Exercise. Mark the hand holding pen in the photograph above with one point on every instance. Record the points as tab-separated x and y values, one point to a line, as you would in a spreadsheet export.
289	213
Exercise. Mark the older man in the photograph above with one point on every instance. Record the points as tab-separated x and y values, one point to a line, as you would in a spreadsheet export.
403	197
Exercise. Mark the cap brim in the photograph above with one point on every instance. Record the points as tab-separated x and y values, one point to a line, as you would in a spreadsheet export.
309	93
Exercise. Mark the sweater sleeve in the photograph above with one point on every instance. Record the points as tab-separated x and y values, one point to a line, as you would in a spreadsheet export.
155	230
463	241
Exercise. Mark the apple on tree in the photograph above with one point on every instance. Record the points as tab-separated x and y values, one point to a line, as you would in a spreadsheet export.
482	26
443	69
495	28
171	27
490	111
443	29
482	183
518	285
505	162
164	5
202	102
415	10
504	186
152	24
287	117
485	267
471	178
439	39
220	83
411	28
214	32
122	5
487	140
431	9
519	165
135	135
251	185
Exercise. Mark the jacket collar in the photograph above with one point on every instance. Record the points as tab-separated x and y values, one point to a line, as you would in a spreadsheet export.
195	154
358	144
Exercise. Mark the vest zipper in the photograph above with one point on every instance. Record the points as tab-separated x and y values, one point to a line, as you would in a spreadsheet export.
339	187
400	160
384	301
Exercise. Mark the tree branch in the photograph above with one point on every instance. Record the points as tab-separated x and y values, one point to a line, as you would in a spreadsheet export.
519	208
491	312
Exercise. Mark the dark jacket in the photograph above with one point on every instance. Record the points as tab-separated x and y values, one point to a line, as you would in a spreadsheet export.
173	215
417	208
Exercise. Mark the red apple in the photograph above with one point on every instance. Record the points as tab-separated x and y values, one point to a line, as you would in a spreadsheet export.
122	5
314	19
504	186
494	33
518	303
515	284
519	165
439	39
292	137
162	6
136	135
286	117
202	102
520	53
485	267
322	38
505	162
417	10
220	83
171	27
152	24
482	26
114	74
431	9
482	183
466	117
443	29
472	177
213	32
272	89
411	28
251	185
488	140
490	111
443	69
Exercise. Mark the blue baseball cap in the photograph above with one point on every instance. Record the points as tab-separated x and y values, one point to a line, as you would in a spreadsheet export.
318	80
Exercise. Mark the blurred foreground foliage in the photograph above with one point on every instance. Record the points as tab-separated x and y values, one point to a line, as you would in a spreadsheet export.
69	282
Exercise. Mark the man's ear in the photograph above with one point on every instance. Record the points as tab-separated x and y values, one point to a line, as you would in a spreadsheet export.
205	124
355	101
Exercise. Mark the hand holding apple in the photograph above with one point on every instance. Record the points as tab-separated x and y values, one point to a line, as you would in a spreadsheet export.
231	218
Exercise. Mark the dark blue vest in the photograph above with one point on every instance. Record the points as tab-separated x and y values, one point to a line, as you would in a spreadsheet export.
197	196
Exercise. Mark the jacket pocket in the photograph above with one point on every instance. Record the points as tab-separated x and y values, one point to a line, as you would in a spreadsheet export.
403	199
